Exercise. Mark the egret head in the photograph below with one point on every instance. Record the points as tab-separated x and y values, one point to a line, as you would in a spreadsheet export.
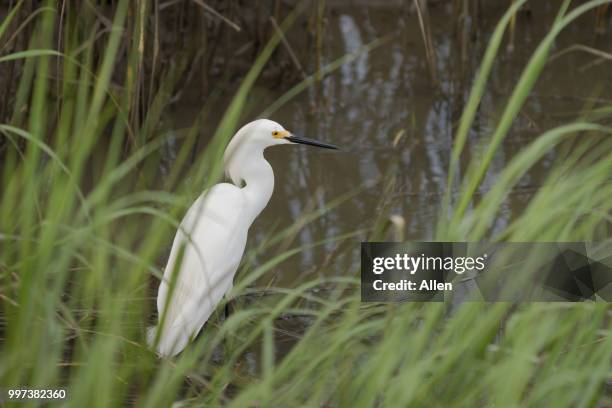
264	133
249	142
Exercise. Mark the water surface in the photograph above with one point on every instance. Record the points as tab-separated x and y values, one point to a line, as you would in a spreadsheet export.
364	105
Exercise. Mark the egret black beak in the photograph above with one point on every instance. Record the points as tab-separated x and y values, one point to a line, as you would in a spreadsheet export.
306	141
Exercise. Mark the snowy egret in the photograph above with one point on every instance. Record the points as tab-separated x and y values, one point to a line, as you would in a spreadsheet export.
210	242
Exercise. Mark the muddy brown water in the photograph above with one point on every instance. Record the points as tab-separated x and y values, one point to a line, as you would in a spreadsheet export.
363	105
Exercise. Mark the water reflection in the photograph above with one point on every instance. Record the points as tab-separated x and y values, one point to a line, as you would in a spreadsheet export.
364	105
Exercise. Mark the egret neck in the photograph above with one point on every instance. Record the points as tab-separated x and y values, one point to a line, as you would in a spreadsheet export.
248	165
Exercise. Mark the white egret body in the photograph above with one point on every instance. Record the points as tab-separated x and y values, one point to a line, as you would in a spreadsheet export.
212	236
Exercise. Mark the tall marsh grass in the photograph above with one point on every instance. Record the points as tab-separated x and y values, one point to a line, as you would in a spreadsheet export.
85	227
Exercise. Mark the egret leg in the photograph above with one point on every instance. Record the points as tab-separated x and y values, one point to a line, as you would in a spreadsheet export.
227	342
229	308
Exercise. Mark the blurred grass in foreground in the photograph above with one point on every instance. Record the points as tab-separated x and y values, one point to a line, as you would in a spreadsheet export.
78	248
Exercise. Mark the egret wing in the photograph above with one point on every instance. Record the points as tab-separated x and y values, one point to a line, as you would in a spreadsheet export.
205	254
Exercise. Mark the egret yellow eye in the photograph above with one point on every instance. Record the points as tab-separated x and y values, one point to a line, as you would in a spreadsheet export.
279	134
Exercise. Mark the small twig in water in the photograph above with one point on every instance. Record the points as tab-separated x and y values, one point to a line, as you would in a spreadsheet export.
217	14
430	53
287	46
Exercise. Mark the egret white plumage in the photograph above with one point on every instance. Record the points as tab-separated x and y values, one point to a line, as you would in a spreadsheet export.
210	242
